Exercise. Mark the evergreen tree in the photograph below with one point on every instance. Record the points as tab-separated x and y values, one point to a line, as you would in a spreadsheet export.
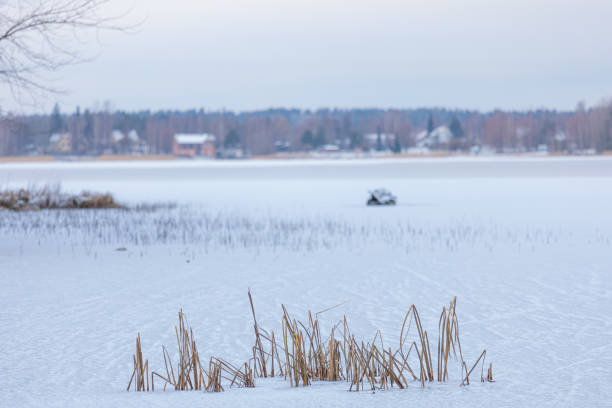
57	124
430	124
356	140
320	138
232	139
77	132
455	128
379	145
609	133
307	139
88	132
397	147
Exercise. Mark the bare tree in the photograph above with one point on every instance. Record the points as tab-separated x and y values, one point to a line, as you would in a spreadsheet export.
39	36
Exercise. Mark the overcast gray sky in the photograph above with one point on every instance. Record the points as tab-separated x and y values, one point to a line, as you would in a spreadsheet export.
245	55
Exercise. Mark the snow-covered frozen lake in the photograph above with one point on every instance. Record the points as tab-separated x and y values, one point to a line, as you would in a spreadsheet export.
525	245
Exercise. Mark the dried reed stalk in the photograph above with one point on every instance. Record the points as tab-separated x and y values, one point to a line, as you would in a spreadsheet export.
308	357
189	373
140	374
489	378
448	336
258	339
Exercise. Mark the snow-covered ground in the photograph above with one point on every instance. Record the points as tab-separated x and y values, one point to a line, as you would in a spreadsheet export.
525	245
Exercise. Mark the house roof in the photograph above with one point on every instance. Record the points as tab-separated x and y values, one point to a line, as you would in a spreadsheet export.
57	137
117	136
421	135
193	138
373	137
330	148
133	136
442	133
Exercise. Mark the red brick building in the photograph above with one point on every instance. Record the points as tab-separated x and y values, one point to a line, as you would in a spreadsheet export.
194	145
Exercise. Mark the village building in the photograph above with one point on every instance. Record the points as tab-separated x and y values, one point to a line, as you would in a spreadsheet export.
230	153
129	143
376	141
194	145
60	143
329	148
282	145
440	136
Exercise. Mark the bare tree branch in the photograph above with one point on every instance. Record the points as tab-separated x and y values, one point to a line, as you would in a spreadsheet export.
38	37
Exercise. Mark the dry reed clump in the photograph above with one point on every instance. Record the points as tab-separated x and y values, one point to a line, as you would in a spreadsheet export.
51	197
304	356
307	356
189	373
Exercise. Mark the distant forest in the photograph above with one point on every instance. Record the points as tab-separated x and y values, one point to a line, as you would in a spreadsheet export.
291	130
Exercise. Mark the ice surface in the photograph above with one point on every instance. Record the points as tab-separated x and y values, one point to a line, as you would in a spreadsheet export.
525	245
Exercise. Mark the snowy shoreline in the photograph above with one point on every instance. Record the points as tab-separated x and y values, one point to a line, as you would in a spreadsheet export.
282	162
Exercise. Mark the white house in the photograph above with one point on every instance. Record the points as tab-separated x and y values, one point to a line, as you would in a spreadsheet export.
386	139
439	136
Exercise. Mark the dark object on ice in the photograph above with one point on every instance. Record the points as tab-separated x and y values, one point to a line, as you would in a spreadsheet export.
380	196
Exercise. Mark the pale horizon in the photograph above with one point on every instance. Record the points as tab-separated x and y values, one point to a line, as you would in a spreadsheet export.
475	56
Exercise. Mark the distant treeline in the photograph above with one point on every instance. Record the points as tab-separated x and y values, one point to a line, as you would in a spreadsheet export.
269	131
